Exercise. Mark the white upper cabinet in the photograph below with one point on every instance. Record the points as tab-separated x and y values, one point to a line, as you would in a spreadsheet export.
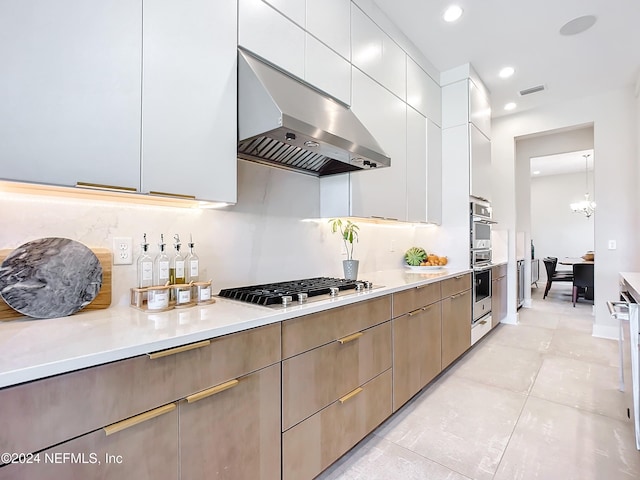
189	99
423	93
455	101
329	21
294	9
267	33
383	192
376	54
70	91
480	163
327	70
424	169
479	108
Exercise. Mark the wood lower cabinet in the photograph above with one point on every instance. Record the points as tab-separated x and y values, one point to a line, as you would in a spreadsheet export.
498	294
313	445
336	383
416	351
456	326
231	431
147	450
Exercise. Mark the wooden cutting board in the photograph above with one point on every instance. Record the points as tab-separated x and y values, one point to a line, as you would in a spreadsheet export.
102	300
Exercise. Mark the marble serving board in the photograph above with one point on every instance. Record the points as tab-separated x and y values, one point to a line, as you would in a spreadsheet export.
101	301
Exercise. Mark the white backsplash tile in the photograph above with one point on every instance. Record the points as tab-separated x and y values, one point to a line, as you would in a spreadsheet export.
266	236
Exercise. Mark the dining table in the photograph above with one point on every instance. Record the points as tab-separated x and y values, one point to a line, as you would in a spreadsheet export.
574	260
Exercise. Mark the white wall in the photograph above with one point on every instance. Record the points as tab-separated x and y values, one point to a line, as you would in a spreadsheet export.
263	238
613	115
556	230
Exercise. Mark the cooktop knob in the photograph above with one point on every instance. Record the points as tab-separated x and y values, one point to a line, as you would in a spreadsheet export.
286	300
302	297
333	291
359	286
368	285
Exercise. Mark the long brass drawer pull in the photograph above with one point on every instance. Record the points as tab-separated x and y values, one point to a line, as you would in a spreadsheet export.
459	277
452	297
350	395
415	312
99	186
143	417
350	338
212	391
176	195
173	351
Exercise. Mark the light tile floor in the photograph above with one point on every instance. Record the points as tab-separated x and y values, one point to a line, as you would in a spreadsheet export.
538	400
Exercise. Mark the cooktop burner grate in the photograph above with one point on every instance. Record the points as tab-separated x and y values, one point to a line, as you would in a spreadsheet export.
272	293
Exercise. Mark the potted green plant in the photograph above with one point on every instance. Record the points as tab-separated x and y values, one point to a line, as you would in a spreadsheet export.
349	233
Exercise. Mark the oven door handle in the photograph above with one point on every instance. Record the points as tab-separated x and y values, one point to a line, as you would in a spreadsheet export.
482	269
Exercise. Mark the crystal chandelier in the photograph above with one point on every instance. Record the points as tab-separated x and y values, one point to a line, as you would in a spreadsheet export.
586	206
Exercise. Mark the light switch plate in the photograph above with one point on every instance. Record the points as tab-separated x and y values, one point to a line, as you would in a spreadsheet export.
122	250
612	244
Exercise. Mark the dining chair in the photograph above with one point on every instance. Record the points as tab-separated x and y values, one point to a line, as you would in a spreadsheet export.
582	281
550	264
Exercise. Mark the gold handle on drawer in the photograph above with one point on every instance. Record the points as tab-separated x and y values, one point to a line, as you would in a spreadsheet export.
459	277
99	186
350	395
419	310
175	195
173	351
452	297
212	391
143	417
350	338
483	322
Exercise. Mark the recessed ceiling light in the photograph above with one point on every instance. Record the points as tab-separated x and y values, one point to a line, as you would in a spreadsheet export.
453	13
510	106
578	25
506	72
537	172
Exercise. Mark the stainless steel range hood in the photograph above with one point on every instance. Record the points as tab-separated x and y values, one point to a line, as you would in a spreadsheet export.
286	123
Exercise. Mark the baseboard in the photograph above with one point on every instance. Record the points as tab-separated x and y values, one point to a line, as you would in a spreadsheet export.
605	331
527	303
510	319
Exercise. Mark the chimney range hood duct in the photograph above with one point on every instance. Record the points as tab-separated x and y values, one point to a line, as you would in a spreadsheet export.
286	123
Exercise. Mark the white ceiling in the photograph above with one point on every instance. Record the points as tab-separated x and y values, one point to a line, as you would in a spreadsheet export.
561	163
525	34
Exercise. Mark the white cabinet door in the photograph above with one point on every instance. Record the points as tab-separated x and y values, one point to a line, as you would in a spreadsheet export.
416	166
434	173
423	93
480	163
294	9
479	109
327	70
70	91
383	192
455	101
189	99
267	33
330	22
376	54
424	169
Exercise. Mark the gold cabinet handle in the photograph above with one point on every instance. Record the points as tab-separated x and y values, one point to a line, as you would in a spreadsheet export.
452	297
460	276
483	322
176	195
419	310
212	391
143	417
99	186
173	351
351	394
350	338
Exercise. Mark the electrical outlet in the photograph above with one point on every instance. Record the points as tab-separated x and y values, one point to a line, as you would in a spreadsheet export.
612	244
122	250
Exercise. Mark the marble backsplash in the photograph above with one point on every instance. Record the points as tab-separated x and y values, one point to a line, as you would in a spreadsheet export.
272	234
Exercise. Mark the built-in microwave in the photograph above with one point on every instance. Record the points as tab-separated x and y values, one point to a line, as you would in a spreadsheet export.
480	235
480	257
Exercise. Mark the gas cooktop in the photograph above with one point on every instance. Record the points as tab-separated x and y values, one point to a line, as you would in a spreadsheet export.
284	293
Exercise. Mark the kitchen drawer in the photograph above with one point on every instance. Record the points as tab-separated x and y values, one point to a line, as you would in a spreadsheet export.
45	412
316	378
454	285
313	445
310	331
481	328
226	358
414	298
498	271
147	450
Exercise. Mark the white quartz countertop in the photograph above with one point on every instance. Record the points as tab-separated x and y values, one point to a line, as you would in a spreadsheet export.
632	279
33	349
